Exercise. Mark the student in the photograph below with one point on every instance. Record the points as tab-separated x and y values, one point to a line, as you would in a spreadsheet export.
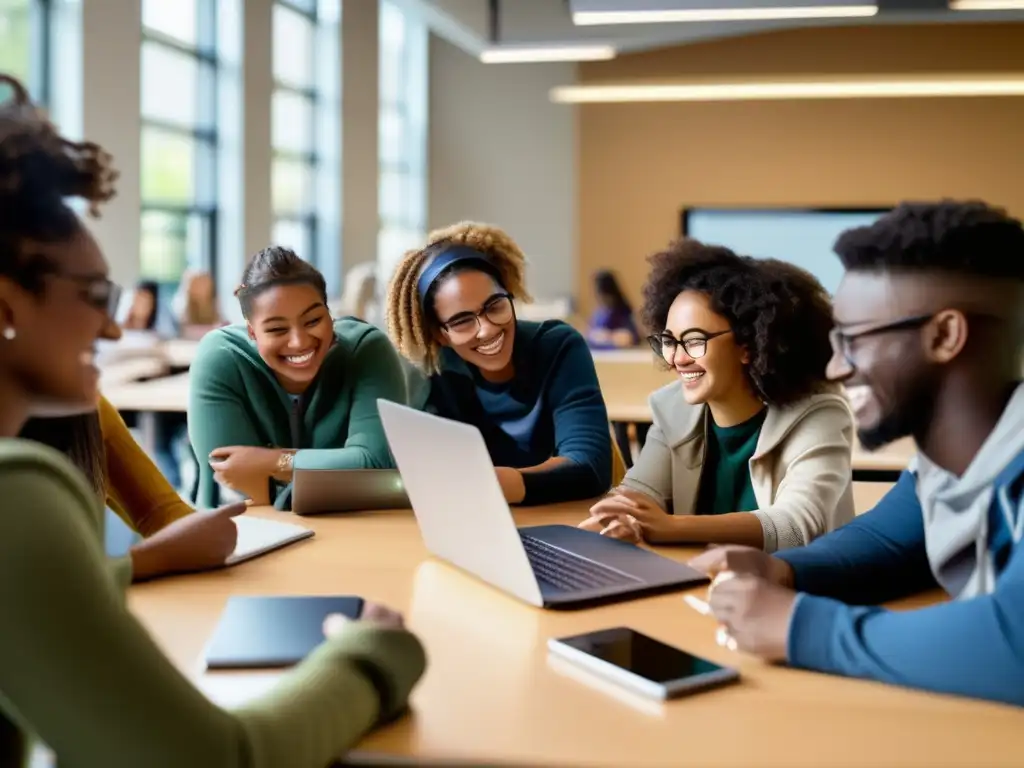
530	388
76	668
751	445
144	308
928	341
195	307
612	325
177	538
288	388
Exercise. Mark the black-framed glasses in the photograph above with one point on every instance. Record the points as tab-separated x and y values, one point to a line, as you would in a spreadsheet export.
841	339
464	326
696	346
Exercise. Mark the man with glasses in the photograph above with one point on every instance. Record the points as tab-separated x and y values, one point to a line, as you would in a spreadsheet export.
928	340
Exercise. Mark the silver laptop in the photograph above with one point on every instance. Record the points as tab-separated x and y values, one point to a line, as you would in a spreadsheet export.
321	491
464	519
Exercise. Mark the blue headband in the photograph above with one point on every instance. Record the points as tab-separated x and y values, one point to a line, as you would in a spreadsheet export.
444	260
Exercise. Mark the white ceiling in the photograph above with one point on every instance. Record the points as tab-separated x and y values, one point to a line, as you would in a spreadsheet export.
466	23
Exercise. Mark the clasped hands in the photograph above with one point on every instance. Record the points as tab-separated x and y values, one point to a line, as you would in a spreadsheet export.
751	595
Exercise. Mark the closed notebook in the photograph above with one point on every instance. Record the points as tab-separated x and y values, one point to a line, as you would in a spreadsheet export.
260	632
257	536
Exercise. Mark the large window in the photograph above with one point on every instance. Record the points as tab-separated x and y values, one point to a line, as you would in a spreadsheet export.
402	135
294	127
24	51
179	138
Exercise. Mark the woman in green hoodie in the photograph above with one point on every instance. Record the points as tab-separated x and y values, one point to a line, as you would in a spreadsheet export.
77	670
289	387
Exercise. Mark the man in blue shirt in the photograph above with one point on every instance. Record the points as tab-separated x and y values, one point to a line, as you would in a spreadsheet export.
928	341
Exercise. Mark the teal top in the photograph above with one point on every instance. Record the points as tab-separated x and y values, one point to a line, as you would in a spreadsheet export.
235	399
725	479
80	674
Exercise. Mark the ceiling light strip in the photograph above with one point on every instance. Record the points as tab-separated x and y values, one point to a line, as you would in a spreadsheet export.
595	18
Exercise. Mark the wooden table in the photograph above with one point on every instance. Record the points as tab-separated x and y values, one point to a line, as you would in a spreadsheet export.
168	394
492	694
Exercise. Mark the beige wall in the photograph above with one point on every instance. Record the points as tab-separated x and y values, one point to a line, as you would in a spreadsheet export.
502	153
641	163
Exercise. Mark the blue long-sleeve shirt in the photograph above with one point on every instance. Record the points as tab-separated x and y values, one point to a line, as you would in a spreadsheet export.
553	407
972	647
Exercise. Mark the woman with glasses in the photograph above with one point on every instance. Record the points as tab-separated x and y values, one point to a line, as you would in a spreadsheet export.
78	672
750	445
530	388
289	388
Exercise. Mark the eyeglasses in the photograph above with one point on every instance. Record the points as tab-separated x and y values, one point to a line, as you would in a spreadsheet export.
665	344
840	339
464	326
98	292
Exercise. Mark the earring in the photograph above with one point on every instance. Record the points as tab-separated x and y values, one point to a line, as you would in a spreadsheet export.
10	333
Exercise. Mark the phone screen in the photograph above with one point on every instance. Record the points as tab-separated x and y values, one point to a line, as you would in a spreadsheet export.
642	655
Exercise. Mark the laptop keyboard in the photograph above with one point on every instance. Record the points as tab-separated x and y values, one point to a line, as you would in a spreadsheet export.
570	572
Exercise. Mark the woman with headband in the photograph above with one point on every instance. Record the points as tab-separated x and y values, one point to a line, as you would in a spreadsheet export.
289	388
530	388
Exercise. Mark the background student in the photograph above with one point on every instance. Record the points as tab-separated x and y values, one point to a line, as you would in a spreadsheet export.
612	325
289	387
530	388
928	342
751	445
67	633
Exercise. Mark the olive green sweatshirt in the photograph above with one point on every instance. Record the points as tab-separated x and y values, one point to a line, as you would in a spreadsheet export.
81	675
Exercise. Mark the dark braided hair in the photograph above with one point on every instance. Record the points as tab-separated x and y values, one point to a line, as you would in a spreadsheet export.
39	170
780	313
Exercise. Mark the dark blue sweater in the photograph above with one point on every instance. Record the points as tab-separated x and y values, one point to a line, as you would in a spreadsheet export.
552	407
973	647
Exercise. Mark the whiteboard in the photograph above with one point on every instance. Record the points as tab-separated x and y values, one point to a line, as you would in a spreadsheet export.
801	236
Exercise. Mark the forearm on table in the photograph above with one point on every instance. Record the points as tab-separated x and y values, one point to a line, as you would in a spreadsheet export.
731	528
559	479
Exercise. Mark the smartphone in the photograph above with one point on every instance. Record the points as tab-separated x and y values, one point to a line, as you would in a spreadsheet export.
641	663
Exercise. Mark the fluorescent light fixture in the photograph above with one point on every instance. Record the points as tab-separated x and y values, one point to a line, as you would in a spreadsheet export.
986	5
594	18
841	88
515	54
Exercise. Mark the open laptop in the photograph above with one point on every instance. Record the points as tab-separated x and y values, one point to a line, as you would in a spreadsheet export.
320	491
464	519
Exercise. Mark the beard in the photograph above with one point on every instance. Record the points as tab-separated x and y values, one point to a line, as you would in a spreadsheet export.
910	415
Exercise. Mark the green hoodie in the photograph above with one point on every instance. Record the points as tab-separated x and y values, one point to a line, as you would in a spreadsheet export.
80	674
235	399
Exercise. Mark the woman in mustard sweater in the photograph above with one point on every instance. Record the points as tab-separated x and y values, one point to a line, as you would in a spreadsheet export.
77	670
176	537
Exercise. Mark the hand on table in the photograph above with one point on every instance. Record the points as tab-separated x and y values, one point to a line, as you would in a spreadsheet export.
744	561
201	540
375	613
631	516
512	485
754	614
245	468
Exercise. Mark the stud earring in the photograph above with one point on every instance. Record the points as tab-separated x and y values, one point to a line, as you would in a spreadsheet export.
10	333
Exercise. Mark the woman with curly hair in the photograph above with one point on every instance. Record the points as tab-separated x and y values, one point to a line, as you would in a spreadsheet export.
77	670
751	445
530	388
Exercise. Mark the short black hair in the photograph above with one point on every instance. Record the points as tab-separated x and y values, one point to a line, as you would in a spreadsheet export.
960	237
780	313
274	266
39	171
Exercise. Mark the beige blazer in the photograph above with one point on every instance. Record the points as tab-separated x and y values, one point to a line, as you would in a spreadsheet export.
801	469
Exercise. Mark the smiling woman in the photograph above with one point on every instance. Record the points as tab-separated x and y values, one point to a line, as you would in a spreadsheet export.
530	388
289	388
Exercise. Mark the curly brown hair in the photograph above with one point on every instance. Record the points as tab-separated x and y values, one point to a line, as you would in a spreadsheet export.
779	312
412	324
39	170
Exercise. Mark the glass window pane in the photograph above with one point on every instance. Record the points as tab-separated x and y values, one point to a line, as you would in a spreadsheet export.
392	243
392	53
174	166
292	127
172	242
292	186
391	137
15	41
167	71
293	43
393	199
174	18
295	235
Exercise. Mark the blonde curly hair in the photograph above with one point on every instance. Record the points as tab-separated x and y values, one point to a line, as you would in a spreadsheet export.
411	328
